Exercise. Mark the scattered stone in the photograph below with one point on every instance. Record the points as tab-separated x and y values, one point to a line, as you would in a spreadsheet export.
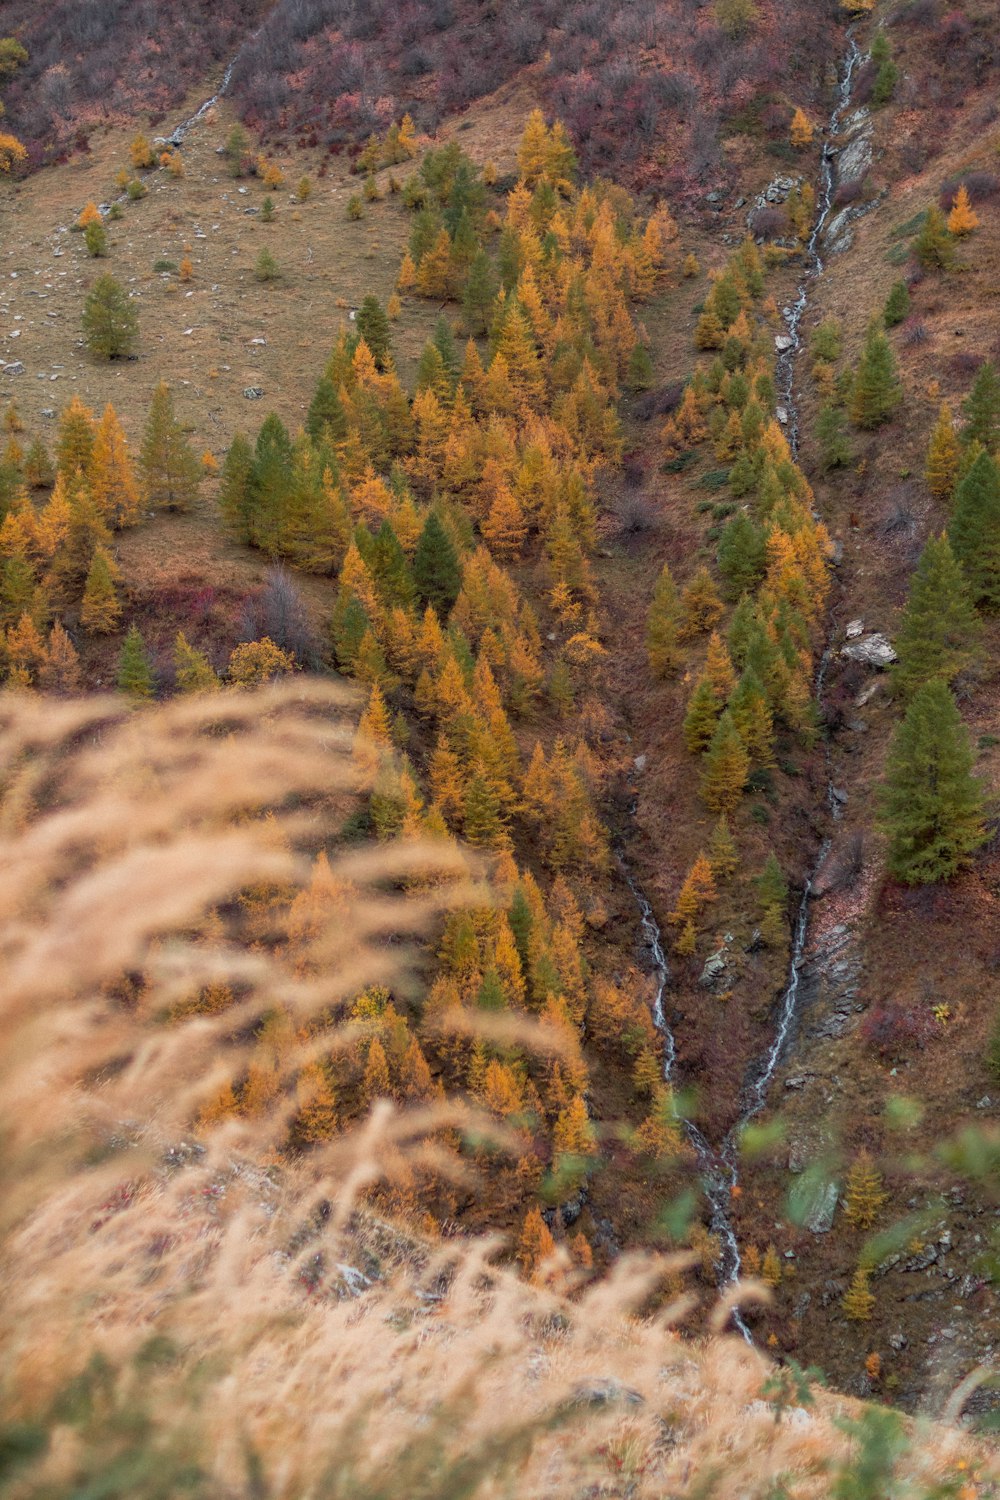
796	1081
48	411
14	368
854	628
640	762
253	392
262	342
873	651
714	197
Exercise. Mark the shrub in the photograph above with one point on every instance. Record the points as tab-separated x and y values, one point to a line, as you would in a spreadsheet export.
110	323
355	207
96	239
136	189
267	268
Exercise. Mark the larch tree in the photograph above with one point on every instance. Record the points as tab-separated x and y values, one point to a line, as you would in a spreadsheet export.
112	481
931	804
941	467
939	629
876	391
864	1193
662	626
801	129
982	409
726	768
963	218
170	468
135	670
437	571
101	610
974	532
194	672
110	321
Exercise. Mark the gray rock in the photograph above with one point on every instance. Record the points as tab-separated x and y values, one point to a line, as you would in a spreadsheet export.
715	197
984	1103
48	411
782	342
14	368
253	392
640	762
855	159
872	651
781	412
819	1219
838	794
898	1342
715	968
604	1392
838	234
853	629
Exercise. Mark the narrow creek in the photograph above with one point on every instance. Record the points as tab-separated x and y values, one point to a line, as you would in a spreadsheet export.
719	1165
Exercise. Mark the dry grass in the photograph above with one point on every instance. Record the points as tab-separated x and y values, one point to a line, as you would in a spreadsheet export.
198	1315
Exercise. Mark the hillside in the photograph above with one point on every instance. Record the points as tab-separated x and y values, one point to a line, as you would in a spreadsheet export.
610	461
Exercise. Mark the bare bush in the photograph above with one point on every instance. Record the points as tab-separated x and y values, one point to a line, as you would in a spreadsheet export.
915	334
278	611
659	402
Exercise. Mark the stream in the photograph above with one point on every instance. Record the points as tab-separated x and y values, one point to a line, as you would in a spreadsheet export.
719	1166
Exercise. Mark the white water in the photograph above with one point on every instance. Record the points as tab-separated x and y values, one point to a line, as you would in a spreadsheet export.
719	1167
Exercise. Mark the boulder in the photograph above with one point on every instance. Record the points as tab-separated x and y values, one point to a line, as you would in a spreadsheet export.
715	968
783	342
253	392
854	628
819	1217
855	159
14	368
873	650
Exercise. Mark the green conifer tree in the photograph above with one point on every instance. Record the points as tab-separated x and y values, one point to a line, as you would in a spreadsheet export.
876	384
110	322
982	409
478	294
373	325
742	555
772	893
932	805
934	247
170	470
726	768
974	532
135	670
235	487
753	718
437	572
662	625
701	718
939	628
897	304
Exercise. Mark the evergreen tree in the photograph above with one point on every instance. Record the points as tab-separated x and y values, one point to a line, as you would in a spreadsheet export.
876	384
934	247
479	291
772	893
326	421
110	322
373	326
941	469
100	611
865	1198
702	717
170	469
722	853
859	1301
235	488
897	304
742	555
193	669
135	670
932	805
982	409
437	571
939	628
974	532
726	768
639	371
662	625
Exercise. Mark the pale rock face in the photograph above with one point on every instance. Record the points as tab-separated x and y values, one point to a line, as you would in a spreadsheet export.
872	651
